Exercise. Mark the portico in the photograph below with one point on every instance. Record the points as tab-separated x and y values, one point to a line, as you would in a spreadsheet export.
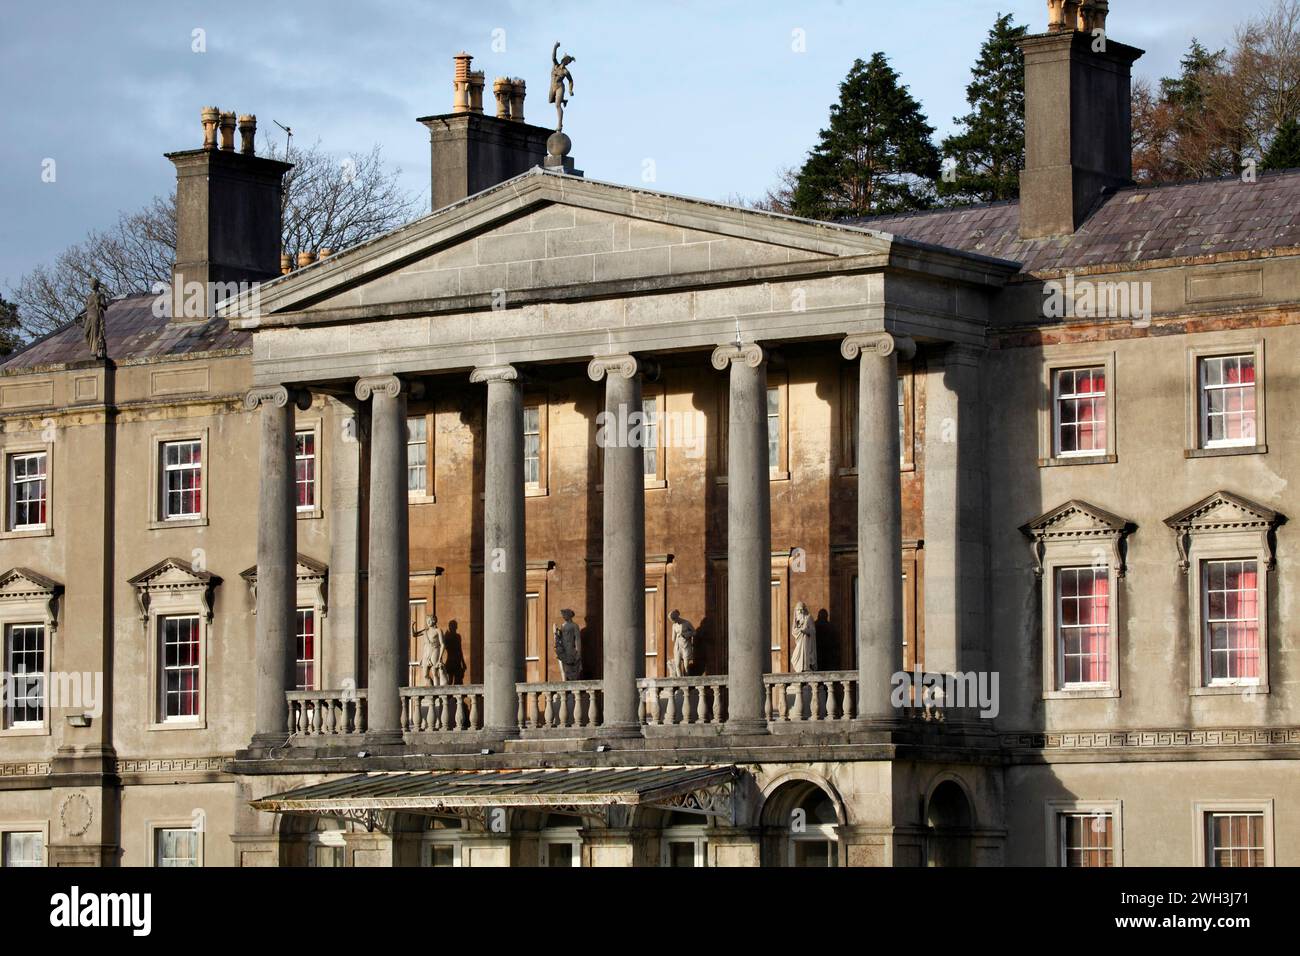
547	271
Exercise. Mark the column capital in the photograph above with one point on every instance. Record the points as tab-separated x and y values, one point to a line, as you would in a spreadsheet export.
962	355
278	396
625	365
494	373
390	385
751	354
883	344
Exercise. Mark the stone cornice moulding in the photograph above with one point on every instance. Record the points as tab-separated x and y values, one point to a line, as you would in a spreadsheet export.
883	344
1221	513
1079	521
752	354
184	578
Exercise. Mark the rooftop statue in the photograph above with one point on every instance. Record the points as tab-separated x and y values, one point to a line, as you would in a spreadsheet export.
92	325
559	73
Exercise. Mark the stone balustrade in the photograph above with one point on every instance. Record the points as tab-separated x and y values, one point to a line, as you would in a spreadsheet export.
326	713
546	706
450	708
811	696
682	700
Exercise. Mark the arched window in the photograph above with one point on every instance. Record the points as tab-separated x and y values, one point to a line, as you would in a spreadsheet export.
801	826
949	827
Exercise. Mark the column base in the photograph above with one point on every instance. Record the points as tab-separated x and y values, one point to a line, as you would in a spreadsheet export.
501	733
621	729
383	738
746	726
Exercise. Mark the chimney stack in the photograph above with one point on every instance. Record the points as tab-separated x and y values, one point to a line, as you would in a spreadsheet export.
227	216
472	151
1078	119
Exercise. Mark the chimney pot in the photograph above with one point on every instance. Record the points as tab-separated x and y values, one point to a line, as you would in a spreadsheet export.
476	83
211	116
1071	18
286	264
460	83
326	253
247	133
517	91
306	259
228	132
502	89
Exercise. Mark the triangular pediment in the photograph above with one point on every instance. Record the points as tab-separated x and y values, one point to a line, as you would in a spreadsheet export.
543	231
307	569
1076	519
1224	511
170	573
25	584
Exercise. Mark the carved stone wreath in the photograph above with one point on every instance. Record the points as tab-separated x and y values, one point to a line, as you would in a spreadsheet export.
76	814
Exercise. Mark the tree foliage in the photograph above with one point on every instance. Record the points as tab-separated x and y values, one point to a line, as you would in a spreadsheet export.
875	156
989	146
329	203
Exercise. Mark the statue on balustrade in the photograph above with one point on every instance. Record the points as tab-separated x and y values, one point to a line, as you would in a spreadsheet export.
433	658
683	660
803	657
568	646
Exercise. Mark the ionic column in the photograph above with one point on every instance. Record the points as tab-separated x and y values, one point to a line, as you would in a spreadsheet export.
749	537
880	520
623	536
503	547
388	591
277	531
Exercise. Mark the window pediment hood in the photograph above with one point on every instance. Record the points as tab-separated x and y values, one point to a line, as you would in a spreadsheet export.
23	585
1224	513
1078	523
173	575
309	573
548	237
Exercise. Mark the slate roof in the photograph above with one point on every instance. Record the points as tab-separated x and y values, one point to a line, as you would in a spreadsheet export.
131	332
1136	224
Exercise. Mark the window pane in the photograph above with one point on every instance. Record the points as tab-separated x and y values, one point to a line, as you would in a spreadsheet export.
182	479
177	847
305	469
24	849
1080	411
1228	400
1087	839
1083	625
180	667
27	491
306	649
1234	839
25	662
417	455
1230	605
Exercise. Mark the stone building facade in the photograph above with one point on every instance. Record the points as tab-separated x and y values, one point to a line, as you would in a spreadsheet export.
1023	447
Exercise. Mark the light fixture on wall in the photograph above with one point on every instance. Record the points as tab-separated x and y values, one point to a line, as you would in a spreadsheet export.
79	720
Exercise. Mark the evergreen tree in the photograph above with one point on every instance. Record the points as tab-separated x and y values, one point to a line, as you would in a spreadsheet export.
875	157
10	334
1284	151
989	149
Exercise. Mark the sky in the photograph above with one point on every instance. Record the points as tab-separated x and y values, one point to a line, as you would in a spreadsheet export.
701	99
